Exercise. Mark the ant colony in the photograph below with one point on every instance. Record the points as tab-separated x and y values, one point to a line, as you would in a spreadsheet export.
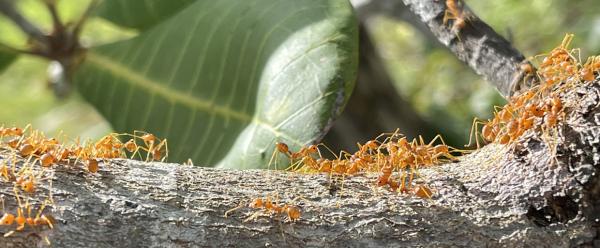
392	157
396	160
27	160
391	160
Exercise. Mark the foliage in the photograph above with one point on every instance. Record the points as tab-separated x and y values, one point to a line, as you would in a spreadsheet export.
223	89
6	57
138	15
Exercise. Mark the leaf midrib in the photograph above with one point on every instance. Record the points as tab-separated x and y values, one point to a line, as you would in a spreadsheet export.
162	90
137	79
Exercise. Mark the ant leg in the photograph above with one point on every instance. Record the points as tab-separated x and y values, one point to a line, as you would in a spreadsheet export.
402	187
439	136
447	16
475	131
2	200
294	166
273	157
391	135
166	150
345	154
342	186
421	141
328	149
567	41
253	216
241	205
411	176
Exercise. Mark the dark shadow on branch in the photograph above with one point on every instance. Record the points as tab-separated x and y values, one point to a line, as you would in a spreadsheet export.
375	106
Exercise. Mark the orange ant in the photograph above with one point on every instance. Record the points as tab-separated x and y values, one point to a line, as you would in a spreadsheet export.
47	160
13	131
8	175
280	147
293	213
8	218
457	13
20	220
527	69
92	165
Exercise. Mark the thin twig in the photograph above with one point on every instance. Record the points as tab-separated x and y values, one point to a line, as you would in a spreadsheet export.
51	6
79	25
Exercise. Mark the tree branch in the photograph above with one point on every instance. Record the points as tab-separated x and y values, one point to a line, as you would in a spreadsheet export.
476	44
7	8
497	196
56	22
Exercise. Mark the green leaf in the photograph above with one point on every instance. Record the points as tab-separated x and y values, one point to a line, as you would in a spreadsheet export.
7	56
224	80
140	14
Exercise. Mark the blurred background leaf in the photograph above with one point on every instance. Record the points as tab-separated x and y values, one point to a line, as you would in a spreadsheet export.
224	80
7	56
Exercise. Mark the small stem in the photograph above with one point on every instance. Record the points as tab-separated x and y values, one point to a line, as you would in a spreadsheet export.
51	6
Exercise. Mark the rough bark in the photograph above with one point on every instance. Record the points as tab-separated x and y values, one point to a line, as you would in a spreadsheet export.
476	44
520	196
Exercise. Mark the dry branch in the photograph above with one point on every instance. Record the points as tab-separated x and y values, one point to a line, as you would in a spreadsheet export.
497	196
476	44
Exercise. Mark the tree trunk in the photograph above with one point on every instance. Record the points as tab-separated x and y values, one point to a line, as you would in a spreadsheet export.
525	195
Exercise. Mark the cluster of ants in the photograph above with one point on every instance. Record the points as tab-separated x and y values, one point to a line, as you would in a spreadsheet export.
20	221
394	154
541	106
538	108
49	151
27	148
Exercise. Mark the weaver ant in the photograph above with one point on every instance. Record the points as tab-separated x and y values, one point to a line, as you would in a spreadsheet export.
20	220
456	13
293	213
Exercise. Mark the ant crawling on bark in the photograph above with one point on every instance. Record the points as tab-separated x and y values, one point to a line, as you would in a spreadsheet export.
21	221
456	13
291	211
